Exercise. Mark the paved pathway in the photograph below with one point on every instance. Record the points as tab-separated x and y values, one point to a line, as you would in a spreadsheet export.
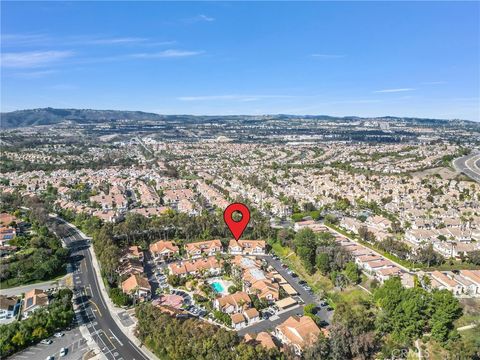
467	327
51	284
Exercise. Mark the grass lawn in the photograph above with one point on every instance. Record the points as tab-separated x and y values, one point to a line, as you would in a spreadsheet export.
316	281
471	313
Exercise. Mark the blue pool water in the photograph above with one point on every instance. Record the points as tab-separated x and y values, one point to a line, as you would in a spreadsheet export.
218	287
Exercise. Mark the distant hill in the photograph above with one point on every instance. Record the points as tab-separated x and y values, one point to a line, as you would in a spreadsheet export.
50	116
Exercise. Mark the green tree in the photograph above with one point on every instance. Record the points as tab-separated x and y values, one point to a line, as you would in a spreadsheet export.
446	309
352	272
306	245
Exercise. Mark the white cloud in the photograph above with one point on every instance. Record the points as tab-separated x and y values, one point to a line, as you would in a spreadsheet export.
206	18
327	56
394	90
24	39
33	74
433	83
171	53
199	18
115	40
33	59
241	98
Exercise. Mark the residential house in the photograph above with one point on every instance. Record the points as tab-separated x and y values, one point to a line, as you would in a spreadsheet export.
441	280
209	248
263	338
238	321
163	250
252	316
33	300
8	307
233	303
246	247
209	266
138	286
298	332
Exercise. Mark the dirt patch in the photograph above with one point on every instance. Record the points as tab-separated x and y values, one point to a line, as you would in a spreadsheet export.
443	172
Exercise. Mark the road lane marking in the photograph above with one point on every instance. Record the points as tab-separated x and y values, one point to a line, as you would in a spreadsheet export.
93	302
116	338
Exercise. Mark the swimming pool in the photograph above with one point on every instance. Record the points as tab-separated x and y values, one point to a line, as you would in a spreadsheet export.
218	287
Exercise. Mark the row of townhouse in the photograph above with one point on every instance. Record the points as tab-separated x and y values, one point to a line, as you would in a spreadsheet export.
166	250
132	269
374	264
462	283
209	266
419	236
378	225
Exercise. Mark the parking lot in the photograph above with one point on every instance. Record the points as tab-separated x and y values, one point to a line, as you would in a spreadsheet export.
72	340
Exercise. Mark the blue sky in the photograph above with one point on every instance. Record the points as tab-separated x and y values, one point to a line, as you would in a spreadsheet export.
344	58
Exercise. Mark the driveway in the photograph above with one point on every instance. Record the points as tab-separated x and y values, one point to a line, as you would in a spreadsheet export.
72	340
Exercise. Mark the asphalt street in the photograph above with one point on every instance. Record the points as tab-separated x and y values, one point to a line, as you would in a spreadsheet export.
469	165
91	309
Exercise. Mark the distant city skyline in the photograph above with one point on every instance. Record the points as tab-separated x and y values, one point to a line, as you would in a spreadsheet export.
413	59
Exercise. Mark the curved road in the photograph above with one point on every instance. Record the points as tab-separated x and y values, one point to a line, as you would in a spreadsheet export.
469	165
92	310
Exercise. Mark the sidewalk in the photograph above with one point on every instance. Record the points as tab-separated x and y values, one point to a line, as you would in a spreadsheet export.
45	285
92	345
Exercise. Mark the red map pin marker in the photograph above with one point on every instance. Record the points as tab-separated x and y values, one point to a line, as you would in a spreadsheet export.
236	227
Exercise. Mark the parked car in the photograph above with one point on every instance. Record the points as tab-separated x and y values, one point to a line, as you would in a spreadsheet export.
58	334
51	357
182	316
63	351
46	342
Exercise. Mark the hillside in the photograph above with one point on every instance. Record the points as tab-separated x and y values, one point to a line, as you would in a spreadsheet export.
50	116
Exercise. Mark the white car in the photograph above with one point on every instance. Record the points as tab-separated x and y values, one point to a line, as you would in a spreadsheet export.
63	351
50	357
58	334
46	342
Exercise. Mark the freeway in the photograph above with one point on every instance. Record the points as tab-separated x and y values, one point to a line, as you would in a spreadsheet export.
91	307
469	165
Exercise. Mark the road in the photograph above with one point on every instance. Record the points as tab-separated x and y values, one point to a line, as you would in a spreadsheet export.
45	285
92	310
469	165
72	340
